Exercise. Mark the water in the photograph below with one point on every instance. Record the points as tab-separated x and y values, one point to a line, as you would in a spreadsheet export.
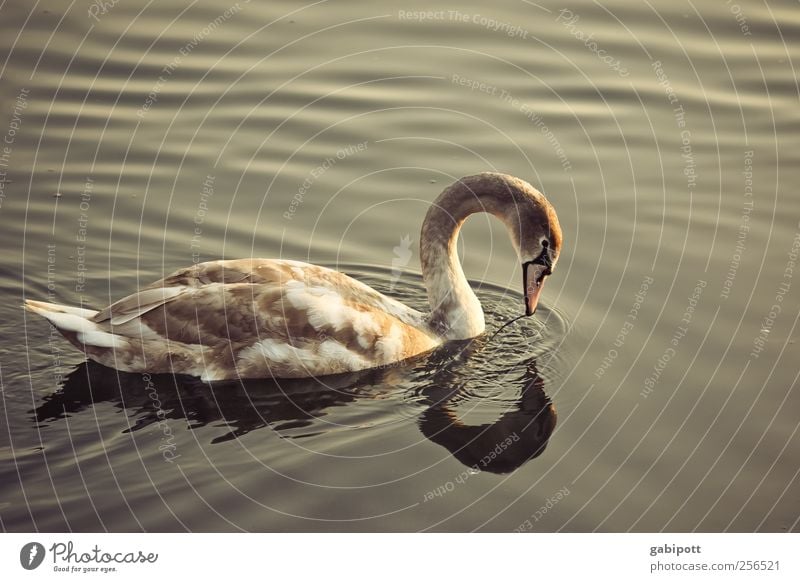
142	137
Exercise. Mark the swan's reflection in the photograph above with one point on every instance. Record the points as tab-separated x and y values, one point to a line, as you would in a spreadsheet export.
244	406
518	435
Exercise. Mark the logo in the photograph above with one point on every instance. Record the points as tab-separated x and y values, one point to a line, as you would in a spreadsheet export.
31	555
402	255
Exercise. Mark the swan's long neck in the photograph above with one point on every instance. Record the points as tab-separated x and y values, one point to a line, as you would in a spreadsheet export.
456	312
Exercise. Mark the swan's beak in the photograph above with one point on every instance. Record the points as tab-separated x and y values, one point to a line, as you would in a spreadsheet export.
533	276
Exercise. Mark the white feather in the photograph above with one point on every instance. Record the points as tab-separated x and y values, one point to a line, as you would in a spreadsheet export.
68	321
390	346
101	339
336	356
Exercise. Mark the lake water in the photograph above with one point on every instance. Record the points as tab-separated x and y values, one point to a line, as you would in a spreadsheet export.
141	137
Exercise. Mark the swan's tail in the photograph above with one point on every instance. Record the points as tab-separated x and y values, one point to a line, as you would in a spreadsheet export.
76	325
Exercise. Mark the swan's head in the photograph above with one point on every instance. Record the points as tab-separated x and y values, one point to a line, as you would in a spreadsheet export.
532	224
539	247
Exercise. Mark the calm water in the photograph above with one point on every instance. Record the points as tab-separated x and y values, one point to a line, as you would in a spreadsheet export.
140	137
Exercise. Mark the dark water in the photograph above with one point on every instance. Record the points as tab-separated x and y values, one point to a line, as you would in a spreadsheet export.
140	137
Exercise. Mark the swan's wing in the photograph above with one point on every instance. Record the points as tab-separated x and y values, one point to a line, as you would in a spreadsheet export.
136	305
161	292
245	301
250	318
197	284
278	272
233	271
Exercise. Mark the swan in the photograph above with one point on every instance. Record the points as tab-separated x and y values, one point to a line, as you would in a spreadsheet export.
256	318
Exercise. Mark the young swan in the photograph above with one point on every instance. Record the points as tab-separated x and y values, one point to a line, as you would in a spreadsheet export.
253	318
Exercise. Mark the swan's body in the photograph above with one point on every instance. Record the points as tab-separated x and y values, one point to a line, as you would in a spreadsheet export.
267	317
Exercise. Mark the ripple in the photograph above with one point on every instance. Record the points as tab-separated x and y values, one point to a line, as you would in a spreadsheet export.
472	383
489	371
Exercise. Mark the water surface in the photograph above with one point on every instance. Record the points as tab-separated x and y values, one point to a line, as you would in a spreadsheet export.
146	136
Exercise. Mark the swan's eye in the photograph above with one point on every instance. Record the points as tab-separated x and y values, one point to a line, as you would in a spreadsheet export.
544	257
